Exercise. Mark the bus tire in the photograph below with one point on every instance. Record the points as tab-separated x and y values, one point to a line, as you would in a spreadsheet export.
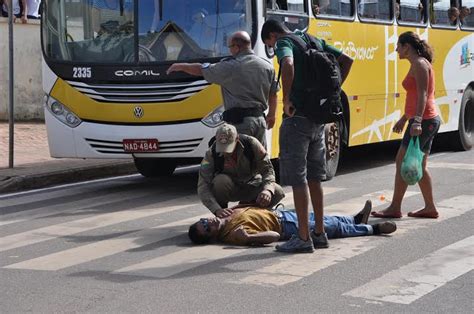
155	167
463	138
332	136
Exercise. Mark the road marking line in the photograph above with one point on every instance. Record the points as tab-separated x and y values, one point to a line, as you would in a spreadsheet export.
291	268
177	262
354	205
86	253
54	188
451	165
411	282
75	206
98	221
100	249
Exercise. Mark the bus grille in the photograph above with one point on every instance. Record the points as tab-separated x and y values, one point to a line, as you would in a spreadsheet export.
116	147
140	93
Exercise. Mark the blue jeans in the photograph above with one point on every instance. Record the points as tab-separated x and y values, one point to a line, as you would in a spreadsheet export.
334	226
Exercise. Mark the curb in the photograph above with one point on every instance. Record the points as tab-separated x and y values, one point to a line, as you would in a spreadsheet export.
41	180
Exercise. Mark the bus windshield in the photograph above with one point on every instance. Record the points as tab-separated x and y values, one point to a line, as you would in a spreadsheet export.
127	31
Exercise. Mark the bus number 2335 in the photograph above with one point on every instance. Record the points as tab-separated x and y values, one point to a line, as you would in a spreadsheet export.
81	72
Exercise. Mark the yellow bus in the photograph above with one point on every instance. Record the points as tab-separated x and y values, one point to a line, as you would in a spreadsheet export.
108	95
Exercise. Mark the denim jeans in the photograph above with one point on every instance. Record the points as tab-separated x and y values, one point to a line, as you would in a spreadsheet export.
334	226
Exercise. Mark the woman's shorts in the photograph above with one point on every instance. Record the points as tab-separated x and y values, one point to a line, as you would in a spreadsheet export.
429	128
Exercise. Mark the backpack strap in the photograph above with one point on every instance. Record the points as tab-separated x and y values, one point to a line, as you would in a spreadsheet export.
248	150
218	159
298	41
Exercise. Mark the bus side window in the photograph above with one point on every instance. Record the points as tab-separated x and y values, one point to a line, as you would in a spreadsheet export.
290	12
341	8
466	15
375	9
444	13
411	11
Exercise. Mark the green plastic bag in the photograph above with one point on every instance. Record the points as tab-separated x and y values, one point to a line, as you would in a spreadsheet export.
412	164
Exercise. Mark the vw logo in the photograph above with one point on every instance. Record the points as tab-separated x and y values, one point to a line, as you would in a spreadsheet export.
138	112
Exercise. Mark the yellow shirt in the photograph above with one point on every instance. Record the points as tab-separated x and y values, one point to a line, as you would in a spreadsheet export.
253	220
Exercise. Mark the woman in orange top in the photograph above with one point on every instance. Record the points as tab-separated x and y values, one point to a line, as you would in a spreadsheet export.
423	121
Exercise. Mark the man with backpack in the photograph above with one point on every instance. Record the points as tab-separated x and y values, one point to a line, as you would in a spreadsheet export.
312	73
236	168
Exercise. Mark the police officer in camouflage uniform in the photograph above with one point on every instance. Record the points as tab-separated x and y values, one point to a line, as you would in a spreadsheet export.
237	168
248	86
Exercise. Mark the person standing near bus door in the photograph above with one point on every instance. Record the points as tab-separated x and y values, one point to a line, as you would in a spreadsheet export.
423	121
19	8
302	145
32	9
248	86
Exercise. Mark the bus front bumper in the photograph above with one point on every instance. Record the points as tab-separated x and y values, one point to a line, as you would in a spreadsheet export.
105	141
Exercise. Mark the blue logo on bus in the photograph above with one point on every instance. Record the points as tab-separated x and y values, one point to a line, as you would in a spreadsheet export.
465	54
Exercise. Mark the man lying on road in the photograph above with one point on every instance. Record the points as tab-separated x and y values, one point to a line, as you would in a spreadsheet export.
257	226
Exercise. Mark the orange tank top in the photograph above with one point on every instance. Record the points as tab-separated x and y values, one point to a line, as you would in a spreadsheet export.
409	84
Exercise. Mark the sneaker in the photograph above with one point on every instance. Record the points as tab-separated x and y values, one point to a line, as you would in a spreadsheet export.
320	241
296	245
386	227
363	216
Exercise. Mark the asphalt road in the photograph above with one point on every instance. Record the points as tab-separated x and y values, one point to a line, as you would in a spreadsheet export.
120	245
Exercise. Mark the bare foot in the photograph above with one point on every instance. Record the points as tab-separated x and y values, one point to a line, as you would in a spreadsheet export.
388	212
425	213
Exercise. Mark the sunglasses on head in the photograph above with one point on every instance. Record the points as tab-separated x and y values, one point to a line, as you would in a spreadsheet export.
205	224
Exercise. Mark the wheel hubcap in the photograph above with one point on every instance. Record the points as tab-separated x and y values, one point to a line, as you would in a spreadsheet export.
332	141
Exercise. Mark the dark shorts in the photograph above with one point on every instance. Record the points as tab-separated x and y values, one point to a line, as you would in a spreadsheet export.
429	128
302	151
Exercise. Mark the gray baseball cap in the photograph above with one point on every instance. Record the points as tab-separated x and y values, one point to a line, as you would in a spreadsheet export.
226	138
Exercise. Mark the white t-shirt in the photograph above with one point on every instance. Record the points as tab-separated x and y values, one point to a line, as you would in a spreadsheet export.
16	7
33	7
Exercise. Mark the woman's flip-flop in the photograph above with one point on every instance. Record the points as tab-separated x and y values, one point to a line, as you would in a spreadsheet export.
421	214
385	215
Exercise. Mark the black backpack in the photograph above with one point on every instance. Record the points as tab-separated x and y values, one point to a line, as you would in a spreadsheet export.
322	81
219	160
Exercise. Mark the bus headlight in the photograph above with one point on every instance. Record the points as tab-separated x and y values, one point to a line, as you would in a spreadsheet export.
62	113
214	118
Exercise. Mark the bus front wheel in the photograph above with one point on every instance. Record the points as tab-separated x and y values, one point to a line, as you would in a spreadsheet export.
332	135
155	167
463	138
466	120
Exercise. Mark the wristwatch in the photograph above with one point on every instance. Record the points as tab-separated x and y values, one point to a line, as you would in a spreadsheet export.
205	65
417	119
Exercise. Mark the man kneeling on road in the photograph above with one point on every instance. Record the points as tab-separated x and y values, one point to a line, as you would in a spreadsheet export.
251	226
237	168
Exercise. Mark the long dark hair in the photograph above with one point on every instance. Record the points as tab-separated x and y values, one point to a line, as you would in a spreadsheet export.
421	46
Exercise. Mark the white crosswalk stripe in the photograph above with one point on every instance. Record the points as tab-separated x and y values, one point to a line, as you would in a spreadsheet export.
409	283
90	223
273	272
177	262
451	165
293	268
351	206
87	253
69	207
96	250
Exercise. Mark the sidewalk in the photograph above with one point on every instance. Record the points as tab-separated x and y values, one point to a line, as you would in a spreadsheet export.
34	168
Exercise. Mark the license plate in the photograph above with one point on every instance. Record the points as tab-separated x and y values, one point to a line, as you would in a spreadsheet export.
148	145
